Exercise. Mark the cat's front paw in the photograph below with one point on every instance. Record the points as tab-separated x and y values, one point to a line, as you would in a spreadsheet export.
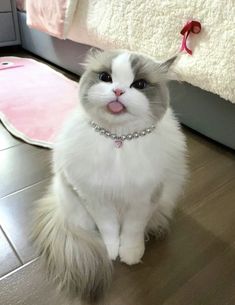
131	255
112	249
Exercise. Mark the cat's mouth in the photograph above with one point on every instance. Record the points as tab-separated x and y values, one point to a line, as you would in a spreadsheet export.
116	107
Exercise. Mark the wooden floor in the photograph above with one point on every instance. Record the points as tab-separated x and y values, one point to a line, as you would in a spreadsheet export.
195	265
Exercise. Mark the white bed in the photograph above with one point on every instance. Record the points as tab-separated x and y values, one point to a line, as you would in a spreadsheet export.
199	109
153	27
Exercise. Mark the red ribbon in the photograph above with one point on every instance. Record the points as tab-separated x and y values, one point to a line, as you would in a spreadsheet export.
191	26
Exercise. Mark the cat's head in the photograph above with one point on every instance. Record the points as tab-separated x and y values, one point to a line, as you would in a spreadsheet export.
121	87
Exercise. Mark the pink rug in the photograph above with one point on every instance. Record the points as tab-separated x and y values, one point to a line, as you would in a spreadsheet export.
34	99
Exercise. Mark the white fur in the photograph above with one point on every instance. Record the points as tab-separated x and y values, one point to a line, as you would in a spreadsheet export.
123	192
117	184
121	70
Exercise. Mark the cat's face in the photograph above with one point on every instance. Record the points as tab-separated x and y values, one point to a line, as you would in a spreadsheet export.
122	87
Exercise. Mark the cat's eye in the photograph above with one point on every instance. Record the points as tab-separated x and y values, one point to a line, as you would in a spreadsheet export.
139	84
105	77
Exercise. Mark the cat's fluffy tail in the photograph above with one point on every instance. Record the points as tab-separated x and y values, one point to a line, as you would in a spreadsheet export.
76	259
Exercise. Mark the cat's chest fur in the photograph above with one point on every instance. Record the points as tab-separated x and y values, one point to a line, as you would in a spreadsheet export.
96	166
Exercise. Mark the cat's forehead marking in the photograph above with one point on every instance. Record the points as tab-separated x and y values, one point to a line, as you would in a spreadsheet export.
122	70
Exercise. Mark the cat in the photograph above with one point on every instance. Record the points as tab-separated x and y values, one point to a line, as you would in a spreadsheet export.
119	167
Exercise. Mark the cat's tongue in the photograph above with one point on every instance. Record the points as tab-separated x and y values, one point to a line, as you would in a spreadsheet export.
115	107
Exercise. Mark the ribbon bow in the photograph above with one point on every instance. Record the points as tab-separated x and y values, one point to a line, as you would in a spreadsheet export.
191	26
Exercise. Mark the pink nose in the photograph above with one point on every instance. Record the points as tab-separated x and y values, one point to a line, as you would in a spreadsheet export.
118	92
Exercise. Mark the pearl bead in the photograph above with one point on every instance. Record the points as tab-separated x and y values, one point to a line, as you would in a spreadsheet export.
107	134
136	135
143	133
102	131
129	136
113	136
123	137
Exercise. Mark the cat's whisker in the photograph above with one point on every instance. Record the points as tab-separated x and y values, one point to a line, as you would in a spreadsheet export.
101	96
157	103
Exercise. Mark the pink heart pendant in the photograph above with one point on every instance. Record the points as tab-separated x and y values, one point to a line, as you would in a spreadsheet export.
118	143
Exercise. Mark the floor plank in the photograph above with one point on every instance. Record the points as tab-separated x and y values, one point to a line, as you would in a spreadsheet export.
210	165
15	217
6	139
22	166
215	284
202	150
28	286
8	259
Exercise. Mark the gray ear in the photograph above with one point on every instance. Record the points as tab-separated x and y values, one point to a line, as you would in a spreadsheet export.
94	51
91	53
164	67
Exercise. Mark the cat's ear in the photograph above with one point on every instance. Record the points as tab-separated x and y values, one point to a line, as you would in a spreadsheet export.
91	54
167	71
166	65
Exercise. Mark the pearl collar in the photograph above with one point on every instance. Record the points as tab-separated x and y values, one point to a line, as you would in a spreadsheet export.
119	139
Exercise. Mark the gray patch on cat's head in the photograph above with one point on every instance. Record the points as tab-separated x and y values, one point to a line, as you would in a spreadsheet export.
96	62
155	74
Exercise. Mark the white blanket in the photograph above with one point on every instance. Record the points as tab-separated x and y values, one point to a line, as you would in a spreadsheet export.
153	27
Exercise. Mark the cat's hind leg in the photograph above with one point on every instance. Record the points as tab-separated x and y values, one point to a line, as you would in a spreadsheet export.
164	200
158	225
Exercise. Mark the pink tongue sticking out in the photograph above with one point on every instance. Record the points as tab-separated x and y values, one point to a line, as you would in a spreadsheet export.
115	107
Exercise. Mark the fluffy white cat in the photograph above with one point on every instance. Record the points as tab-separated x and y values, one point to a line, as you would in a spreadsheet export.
119	167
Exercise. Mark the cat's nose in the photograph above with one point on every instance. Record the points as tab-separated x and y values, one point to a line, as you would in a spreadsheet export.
118	91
